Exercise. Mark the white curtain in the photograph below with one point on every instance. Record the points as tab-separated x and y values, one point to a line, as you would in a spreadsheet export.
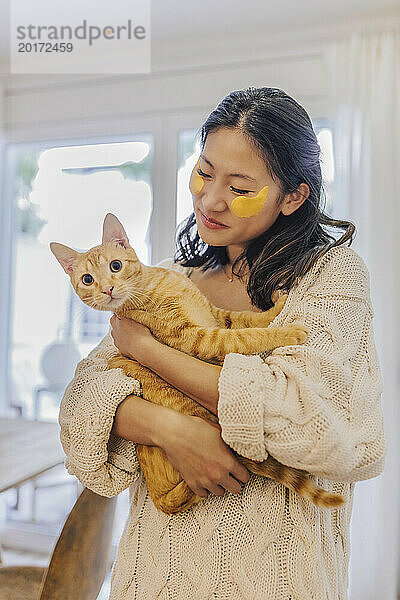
364	72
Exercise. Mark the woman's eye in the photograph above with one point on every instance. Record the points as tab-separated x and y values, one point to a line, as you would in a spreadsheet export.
200	172
239	191
115	265
87	279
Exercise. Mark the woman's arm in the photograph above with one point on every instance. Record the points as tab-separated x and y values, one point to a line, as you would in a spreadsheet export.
193	445
314	406
102	421
141	421
104	462
192	376
195	378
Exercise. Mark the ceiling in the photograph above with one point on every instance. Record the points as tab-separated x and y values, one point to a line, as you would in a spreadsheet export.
194	17
175	19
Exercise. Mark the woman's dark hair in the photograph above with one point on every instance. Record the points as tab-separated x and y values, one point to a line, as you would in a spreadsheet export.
282	133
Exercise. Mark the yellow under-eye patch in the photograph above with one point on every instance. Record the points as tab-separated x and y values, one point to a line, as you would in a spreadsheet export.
245	206
196	181
242	206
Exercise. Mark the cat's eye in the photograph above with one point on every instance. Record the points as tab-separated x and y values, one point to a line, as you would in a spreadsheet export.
115	265
87	279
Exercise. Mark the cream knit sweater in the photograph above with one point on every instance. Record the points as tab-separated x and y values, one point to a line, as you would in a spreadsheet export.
314	406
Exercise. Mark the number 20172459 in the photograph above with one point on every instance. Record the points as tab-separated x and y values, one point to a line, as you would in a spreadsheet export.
45	47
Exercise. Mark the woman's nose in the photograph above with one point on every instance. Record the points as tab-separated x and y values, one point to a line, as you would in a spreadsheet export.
214	201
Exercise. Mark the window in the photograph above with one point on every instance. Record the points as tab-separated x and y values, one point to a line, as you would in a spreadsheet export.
62	194
324	135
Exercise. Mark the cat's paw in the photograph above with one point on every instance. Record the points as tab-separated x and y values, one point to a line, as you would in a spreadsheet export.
115	362
119	362
295	333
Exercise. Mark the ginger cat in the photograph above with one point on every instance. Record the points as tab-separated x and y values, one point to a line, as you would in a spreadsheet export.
110	277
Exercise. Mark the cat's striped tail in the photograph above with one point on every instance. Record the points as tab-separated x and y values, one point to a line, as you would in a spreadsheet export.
294	479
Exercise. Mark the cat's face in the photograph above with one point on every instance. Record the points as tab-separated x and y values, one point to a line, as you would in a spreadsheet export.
106	276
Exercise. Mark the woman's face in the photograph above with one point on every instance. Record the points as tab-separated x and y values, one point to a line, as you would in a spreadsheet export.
227	154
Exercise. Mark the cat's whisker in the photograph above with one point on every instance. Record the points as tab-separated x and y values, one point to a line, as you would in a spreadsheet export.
131	285
151	301
132	295
140	295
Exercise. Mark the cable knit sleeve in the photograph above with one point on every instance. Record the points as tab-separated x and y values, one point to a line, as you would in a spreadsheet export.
314	406
102	461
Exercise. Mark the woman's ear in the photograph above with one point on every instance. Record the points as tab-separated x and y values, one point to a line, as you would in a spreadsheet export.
113	231
295	199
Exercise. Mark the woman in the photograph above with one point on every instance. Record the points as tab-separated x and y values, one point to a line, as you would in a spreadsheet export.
314	406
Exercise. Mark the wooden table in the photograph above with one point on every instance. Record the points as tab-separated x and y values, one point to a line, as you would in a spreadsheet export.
27	449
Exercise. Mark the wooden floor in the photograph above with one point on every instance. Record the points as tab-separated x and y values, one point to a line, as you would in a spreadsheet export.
13	557
52	505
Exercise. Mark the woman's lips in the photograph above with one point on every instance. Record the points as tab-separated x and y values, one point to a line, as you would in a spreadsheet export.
210	224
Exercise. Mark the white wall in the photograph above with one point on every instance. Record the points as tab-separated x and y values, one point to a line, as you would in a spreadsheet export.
188	76
183	78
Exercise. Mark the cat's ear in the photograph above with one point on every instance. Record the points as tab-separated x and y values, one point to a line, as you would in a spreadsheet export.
66	256
113	231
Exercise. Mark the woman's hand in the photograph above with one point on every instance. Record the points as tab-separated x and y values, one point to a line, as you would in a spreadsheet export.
132	339
192	376
195	448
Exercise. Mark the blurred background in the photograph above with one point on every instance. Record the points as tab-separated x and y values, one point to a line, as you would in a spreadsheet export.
76	147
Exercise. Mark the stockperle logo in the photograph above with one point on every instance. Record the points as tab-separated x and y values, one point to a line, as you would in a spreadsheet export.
63	37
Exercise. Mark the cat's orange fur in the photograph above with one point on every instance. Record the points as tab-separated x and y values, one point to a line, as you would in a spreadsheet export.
179	315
